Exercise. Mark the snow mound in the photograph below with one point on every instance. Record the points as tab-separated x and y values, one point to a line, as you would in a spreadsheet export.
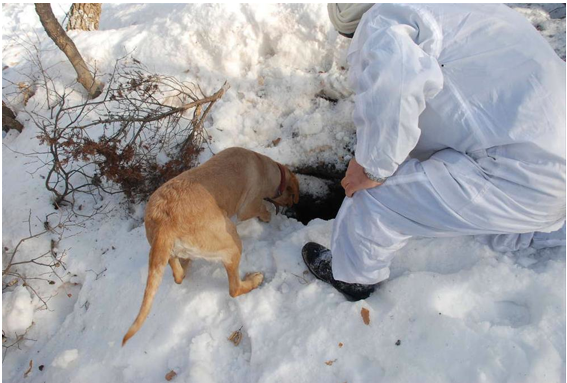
17	312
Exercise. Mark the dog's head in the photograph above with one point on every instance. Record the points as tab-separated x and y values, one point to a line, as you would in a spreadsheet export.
290	194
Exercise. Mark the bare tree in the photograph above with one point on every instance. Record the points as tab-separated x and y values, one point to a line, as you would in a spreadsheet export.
60	38
84	16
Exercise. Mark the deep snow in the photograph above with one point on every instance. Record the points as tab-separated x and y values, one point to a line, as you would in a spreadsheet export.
459	311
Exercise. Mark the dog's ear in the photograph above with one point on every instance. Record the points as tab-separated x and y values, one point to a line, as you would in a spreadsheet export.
294	186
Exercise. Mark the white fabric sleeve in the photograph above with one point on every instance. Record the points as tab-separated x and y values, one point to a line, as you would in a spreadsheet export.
392	77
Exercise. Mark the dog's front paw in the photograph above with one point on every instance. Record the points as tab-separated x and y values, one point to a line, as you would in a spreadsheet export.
255	278
265	217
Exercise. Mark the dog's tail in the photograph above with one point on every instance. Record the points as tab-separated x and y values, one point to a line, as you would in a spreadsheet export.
159	257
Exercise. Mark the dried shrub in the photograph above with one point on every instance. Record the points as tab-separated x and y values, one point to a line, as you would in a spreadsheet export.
146	130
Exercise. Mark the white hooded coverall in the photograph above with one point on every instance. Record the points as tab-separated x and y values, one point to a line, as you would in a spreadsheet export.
462	106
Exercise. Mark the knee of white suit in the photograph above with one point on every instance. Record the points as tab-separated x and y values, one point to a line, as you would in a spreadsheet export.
545	240
504	243
513	242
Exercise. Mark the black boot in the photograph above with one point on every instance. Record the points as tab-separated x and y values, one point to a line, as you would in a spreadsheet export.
318	261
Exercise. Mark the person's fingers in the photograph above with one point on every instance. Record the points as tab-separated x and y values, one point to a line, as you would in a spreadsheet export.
356	187
350	190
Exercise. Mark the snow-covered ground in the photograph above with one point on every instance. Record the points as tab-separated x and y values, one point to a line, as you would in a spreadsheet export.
453	310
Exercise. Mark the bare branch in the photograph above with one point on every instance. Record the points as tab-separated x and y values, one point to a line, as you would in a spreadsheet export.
142	117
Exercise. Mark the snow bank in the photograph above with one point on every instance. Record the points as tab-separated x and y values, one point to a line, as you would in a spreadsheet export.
314	186
278	60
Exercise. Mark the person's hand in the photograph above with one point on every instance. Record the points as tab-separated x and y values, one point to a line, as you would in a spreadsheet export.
355	179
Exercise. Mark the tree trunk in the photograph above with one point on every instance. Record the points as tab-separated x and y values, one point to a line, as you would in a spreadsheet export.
84	16
60	38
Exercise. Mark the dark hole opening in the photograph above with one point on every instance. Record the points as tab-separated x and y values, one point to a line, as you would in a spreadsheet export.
324	207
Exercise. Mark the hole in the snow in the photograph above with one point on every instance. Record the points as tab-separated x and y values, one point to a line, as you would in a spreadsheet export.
319	198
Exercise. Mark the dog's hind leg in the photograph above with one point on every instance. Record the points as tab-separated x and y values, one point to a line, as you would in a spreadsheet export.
237	286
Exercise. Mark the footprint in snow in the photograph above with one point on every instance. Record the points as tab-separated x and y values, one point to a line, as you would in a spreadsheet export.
469	307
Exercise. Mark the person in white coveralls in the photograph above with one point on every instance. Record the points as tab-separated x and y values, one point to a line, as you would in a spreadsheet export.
460	118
